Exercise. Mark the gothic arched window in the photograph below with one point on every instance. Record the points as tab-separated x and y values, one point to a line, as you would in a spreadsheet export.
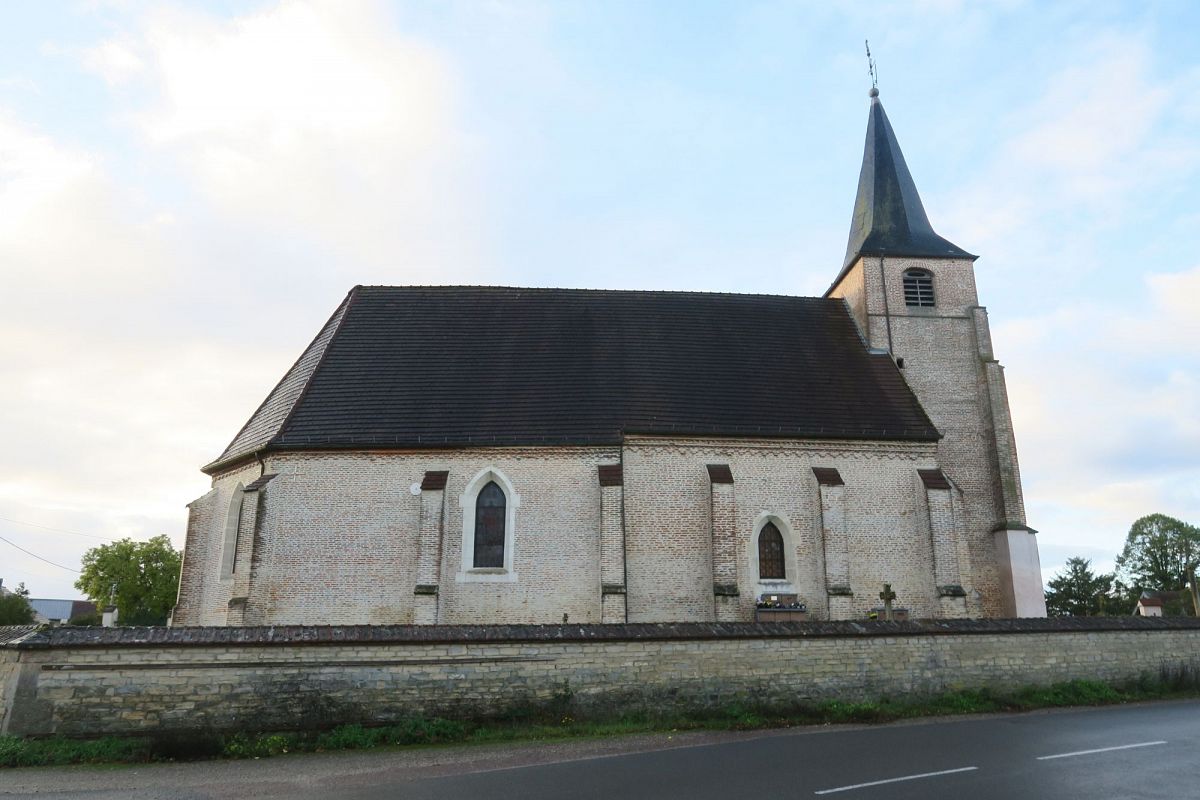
489	526
770	552
918	288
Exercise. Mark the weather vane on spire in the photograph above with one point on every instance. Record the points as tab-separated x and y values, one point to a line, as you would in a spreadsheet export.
874	73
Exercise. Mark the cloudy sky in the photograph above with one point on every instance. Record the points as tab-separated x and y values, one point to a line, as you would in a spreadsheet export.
188	190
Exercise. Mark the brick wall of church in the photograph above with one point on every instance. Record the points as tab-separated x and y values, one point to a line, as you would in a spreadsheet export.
204	593
336	534
667	523
945	349
337	542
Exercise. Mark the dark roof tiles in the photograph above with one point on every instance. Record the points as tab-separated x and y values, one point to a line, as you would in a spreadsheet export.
473	366
271	415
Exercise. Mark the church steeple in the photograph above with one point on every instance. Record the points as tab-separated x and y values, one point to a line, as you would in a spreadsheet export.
889	219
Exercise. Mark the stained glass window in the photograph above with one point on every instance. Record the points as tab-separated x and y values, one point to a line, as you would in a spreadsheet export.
489	526
770	552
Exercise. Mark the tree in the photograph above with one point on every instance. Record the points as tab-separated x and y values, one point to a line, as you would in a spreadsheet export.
15	608
1078	592
87	619
1160	554
141	578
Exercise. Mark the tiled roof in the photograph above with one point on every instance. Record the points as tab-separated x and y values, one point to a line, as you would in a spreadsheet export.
477	366
270	416
11	634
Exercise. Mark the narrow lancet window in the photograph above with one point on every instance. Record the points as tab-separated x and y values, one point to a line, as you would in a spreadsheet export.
489	526
918	288
770	552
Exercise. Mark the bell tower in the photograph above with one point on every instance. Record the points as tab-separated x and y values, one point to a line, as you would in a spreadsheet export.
913	296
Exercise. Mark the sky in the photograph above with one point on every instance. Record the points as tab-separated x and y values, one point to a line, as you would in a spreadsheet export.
187	191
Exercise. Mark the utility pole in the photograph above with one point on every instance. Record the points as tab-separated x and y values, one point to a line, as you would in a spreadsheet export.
1194	592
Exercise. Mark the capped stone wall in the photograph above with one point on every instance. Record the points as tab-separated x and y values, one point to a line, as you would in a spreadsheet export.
91	681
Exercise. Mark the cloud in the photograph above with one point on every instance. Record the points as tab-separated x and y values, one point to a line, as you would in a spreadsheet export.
64	227
317	120
113	60
111	398
1095	146
155	285
1091	126
1106	405
1102	373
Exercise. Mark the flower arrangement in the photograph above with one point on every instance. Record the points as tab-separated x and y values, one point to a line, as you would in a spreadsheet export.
787	602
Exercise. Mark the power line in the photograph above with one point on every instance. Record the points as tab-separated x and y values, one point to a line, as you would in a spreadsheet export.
57	530
35	555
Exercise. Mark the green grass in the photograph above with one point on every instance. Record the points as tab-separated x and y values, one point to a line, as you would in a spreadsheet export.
18	752
555	724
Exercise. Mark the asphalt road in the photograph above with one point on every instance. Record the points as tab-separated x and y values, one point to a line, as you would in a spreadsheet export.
1127	752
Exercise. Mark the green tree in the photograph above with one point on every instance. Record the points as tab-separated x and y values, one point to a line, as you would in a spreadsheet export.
142	578
1160	554
15	608
1079	592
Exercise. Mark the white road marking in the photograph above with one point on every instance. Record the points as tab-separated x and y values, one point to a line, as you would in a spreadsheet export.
896	780
1099	750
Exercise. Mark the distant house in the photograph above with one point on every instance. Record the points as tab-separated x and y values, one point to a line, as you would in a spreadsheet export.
57	612
1155	604
1149	606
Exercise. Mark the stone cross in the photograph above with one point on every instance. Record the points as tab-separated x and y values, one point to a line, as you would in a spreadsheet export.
887	596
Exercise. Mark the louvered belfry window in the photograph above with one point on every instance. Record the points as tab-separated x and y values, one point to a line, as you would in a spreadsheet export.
918	288
770	552
489	526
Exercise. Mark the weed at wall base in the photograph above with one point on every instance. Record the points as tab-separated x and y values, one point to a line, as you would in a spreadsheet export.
552	723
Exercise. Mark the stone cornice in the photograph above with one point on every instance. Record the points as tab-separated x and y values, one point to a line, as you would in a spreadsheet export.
286	635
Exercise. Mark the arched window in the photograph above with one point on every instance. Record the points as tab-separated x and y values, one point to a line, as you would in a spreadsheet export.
918	288
770	553
490	506
489	527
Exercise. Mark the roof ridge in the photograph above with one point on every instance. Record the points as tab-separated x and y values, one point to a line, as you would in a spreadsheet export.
677	292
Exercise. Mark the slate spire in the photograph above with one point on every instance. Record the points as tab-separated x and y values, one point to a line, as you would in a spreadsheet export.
888	216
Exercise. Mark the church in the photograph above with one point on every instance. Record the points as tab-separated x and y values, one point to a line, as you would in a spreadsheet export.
487	455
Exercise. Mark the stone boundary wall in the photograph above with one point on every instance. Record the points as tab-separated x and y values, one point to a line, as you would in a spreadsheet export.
92	681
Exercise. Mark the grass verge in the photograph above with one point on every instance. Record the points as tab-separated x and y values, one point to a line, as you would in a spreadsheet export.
22	752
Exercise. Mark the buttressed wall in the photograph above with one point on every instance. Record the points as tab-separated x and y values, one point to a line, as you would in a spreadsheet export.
651	532
947	359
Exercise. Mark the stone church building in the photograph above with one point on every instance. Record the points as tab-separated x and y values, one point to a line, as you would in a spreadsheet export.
497	455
